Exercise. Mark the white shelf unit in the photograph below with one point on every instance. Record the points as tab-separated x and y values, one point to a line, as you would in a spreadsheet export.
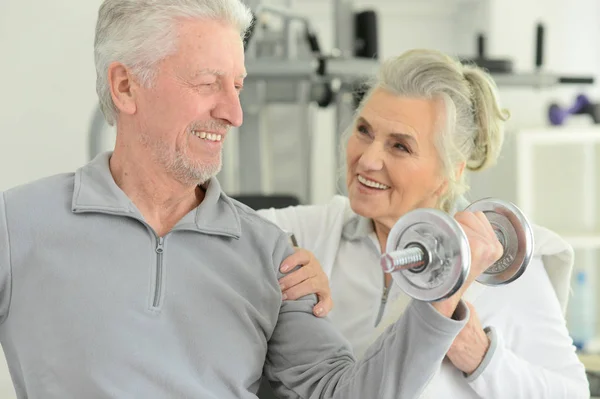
587	237
570	168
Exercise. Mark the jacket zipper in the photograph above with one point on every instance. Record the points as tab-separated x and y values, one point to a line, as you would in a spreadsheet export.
159	272
384	298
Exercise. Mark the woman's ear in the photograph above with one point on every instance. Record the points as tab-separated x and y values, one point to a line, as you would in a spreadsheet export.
460	169
443	187
441	190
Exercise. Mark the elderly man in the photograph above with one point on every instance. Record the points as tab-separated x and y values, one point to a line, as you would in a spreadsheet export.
136	276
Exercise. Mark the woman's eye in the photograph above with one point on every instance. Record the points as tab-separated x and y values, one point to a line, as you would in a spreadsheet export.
401	147
362	129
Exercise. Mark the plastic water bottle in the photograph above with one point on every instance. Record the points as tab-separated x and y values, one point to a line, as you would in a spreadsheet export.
582	311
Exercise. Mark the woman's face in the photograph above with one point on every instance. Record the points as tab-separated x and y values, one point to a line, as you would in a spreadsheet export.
392	162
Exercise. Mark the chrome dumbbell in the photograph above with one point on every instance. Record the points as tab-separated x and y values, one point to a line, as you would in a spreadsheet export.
428	255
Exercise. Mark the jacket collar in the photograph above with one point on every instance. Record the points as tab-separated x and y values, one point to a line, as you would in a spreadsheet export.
96	191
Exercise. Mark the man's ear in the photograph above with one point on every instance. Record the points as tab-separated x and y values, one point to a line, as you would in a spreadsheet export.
121	84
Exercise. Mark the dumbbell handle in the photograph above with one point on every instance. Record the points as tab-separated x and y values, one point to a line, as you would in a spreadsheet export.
412	257
408	258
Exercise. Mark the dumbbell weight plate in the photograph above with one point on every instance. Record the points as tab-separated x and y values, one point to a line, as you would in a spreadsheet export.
446	247
514	233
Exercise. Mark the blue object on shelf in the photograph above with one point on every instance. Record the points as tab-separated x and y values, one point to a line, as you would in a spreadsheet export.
582	311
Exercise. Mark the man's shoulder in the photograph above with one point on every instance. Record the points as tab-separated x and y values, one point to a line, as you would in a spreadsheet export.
41	191
261	236
252	221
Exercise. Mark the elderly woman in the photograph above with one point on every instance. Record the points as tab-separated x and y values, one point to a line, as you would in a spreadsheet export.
424	121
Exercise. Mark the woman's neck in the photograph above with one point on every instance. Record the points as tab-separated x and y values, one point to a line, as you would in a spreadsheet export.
382	232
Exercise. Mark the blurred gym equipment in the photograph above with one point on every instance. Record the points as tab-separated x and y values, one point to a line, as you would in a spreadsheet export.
582	106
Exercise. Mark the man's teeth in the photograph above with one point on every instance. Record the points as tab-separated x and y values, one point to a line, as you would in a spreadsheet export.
207	136
372	184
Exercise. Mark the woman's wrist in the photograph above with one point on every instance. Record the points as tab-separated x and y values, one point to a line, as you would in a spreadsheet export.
447	307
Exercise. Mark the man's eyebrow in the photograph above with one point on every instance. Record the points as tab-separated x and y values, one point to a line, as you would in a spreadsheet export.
216	72
209	71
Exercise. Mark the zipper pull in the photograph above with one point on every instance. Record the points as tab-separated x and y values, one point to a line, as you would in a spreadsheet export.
159	245
384	296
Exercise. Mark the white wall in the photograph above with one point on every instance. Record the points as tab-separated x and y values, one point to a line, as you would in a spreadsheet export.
48	94
47	80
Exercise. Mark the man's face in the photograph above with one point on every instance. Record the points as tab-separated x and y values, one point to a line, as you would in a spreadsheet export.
185	115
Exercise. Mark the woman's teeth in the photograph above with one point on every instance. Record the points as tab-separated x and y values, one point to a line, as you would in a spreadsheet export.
207	136
372	184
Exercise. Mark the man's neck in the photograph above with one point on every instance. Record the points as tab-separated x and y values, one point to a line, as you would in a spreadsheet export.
162	200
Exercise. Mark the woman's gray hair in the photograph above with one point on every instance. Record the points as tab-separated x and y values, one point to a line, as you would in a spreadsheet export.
141	33
471	129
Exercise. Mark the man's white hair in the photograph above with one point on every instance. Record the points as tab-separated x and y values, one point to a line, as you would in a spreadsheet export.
141	33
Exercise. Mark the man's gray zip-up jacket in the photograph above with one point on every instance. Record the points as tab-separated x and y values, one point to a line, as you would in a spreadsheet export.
93	304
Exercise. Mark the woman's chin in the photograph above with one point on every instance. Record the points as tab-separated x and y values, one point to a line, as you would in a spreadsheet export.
362	206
